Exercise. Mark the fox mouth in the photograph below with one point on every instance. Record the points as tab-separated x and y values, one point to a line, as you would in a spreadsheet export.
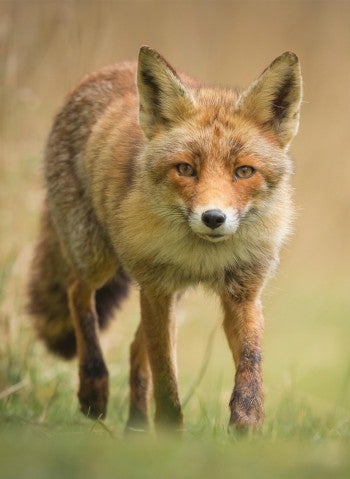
214	237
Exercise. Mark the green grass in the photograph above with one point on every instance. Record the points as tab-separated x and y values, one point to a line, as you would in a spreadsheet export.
307	381
85	456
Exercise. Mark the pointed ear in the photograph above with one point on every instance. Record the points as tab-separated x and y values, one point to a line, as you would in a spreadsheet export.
274	99
164	100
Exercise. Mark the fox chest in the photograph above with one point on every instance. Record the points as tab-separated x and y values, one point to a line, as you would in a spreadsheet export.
179	266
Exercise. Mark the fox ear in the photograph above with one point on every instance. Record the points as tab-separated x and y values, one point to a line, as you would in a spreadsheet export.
164	100
274	99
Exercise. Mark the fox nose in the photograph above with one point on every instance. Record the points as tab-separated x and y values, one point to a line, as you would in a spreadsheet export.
213	218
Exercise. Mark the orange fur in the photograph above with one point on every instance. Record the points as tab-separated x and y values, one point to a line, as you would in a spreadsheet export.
145	182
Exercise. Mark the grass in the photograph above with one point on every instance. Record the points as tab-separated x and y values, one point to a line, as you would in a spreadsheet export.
307	427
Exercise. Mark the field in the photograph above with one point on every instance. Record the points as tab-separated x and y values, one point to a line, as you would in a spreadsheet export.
45	48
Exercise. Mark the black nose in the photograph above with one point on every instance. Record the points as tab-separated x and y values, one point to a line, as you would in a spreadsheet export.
213	218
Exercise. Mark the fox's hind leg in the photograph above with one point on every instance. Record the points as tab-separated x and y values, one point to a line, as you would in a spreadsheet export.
140	382
93	374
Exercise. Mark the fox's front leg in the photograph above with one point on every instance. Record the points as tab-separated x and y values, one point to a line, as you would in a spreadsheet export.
244	324
159	333
93	374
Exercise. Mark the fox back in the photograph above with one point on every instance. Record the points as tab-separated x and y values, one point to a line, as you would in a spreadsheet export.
155	177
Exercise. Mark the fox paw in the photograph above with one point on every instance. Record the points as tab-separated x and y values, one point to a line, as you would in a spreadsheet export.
247	412
93	396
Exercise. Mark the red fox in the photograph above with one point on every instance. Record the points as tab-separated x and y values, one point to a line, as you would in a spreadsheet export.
154	177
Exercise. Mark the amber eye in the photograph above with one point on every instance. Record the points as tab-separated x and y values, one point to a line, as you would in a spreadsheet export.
244	171
185	169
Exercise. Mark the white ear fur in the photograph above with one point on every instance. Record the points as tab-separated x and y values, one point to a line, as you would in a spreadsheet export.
164	100
273	100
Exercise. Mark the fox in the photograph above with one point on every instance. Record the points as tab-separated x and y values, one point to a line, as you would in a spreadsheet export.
158	180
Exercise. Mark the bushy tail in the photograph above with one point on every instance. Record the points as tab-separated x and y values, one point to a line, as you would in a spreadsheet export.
110	296
47	292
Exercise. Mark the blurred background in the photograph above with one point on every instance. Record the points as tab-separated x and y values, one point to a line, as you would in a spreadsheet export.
45	48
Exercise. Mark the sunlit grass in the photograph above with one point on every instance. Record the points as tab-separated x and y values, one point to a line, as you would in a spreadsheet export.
307	427
303	401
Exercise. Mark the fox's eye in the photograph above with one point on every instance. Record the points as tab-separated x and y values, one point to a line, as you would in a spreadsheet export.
244	171
185	169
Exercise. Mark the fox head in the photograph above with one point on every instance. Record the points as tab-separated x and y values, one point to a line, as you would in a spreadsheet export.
216	157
